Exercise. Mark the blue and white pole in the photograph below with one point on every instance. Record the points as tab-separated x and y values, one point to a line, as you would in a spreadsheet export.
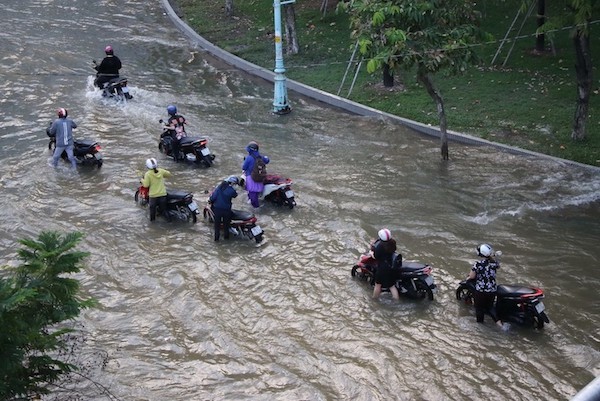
280	101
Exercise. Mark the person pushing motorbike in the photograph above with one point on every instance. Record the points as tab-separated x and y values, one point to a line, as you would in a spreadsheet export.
62	129
484	274
154	180
108	68
220	201
383	252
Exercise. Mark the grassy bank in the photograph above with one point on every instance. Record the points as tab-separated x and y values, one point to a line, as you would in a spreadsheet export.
528	103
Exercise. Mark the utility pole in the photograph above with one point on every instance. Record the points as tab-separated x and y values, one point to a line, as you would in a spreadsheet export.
280	101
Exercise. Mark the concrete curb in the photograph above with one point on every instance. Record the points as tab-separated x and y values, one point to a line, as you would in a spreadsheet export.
345	104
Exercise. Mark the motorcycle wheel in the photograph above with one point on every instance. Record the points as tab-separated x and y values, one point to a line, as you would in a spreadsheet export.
190	216
464	294
99	163
139	200
354	270
162	148
208	161
208	216
423	291
539	320
258	238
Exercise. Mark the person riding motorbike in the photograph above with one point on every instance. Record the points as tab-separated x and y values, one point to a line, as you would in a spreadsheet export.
253	185
108	68
176	126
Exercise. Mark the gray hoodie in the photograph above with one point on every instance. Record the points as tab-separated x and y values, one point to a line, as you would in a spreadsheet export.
63	129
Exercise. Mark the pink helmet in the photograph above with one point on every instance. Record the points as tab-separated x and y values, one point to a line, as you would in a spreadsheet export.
384	234
108	49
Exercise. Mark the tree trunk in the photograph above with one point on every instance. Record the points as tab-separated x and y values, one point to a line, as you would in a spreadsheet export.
424	77
540	39
583	69
229	8
291	38
388	78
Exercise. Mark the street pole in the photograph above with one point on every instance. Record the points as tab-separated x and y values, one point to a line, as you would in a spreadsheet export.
280	101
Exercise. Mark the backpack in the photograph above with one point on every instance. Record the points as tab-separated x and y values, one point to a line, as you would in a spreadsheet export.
259	171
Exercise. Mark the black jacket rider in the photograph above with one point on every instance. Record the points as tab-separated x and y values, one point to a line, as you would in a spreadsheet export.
107	69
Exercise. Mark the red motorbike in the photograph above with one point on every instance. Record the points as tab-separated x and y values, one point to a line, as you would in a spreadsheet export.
243	224
413	279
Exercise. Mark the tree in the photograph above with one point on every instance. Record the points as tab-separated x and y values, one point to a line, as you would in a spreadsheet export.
427	36
36	301
229	8
291	36
577	15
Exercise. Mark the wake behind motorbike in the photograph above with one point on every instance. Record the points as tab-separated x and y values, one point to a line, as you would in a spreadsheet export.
515	303
180	204
191	148
86	151
413	279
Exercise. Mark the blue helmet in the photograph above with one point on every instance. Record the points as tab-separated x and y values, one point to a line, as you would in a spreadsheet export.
232	179
252	146
172	110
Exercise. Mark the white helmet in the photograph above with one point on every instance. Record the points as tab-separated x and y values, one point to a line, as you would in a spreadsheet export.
485	250
151	163
384	234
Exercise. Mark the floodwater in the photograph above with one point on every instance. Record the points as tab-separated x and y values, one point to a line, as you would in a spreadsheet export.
183	318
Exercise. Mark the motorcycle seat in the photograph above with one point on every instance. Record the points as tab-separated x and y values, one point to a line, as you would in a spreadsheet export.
177	194
412	266
241	215
85	142
276	179
190	140
514	290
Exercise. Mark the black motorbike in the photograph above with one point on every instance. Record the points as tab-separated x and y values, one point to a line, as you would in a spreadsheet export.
180	204
413	279
87	152
193	149
116	88
515	303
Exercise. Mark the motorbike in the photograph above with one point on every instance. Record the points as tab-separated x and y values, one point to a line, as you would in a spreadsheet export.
413	279
243	224
191	148
278	190
515	303
180	204
116	88
86	151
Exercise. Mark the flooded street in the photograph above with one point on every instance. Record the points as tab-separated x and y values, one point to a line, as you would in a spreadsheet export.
183	318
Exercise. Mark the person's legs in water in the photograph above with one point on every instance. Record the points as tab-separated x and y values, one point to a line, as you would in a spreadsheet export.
71	157
57	154
152	206
227	223
253	196
162	206
219	219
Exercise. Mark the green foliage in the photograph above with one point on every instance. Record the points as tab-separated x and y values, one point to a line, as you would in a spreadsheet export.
434	34
35	298
529	102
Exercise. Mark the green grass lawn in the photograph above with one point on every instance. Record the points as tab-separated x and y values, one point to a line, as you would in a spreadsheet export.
529	102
